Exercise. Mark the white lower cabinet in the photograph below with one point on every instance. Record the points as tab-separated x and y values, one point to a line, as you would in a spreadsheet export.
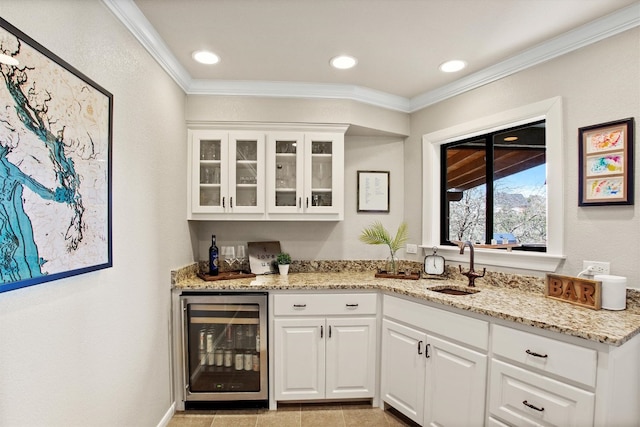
430	379
456	380
522	391
403	369
524	398
319	357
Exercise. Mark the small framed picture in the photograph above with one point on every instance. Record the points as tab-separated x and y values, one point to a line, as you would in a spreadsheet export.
606	164
373	191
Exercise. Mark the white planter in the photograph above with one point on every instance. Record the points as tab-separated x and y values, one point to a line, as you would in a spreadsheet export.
284	269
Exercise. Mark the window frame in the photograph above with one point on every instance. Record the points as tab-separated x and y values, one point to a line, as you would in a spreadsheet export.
489	152
549	110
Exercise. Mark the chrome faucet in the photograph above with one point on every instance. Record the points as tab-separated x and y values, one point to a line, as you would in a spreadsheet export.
471	273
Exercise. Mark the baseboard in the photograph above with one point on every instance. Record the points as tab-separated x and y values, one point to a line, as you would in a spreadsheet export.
164	422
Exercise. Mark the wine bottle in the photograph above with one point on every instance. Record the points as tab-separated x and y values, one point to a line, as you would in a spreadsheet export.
213	257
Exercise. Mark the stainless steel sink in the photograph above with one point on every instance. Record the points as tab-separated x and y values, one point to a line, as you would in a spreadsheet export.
455	290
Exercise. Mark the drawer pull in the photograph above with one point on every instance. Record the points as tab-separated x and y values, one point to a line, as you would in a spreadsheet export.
529	405
299	305
352	305
532	353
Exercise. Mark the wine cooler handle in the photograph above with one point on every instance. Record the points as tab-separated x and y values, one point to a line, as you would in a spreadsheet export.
321	331
426	351
532	353
420	347
529	405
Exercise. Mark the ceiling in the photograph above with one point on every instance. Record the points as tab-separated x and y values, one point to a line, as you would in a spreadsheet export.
283	47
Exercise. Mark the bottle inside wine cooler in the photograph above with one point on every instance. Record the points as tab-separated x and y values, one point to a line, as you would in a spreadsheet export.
249	336
228	349
210	347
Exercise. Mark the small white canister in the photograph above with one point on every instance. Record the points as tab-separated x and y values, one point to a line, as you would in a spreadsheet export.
614	291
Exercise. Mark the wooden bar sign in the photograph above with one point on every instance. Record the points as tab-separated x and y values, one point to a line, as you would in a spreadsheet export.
574	290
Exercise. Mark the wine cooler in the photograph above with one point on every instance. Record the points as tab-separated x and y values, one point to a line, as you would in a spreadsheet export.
225	347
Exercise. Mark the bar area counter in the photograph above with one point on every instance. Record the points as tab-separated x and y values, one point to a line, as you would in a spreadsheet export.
509	297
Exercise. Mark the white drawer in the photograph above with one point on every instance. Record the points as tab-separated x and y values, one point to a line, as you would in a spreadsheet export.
567	360
454	326
324	304
523	398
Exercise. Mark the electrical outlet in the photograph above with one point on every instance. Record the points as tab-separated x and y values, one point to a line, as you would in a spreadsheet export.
597	267
411	248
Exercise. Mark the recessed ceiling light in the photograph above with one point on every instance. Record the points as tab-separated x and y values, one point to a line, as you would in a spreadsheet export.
452	66
8	60
205	57
343	62
511	138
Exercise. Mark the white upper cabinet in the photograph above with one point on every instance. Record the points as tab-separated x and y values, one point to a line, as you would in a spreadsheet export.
266	174
305	175
226	174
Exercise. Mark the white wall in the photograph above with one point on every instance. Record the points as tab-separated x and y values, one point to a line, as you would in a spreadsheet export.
598	83
94	349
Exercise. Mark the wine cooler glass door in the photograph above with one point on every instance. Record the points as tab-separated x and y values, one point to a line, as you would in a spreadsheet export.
226	347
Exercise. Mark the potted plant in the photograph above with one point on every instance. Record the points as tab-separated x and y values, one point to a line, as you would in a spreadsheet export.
376	234
283	259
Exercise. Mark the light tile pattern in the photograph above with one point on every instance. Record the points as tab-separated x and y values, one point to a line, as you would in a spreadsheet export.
294	415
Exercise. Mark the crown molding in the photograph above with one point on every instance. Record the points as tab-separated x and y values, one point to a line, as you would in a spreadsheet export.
298	90
133	19
600	29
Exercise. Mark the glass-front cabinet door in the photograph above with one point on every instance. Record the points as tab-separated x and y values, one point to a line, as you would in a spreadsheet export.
246	192
320	186
209	174
285	175
227	172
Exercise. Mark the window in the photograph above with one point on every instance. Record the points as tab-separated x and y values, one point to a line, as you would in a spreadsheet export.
494	189
549	111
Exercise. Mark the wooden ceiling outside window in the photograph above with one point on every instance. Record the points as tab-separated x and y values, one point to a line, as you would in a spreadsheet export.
466	164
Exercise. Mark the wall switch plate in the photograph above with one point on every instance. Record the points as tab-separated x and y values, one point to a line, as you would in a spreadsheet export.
597	267
411	248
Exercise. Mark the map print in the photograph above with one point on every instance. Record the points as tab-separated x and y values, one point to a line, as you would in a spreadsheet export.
54	166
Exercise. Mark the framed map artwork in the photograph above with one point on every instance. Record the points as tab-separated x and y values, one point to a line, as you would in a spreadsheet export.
55	166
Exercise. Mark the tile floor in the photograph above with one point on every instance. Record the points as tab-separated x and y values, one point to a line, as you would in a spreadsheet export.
294	415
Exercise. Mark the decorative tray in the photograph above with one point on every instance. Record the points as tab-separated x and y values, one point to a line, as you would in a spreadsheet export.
226	275
410	276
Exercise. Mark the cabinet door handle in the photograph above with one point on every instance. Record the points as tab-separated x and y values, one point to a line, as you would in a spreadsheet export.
426	351
420	347
299	305
299	202
329	331
307	202
231	202
352	305
532	353
223	202
529	405
321	331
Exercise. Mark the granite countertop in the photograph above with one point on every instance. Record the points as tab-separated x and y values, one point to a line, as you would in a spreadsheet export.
520	302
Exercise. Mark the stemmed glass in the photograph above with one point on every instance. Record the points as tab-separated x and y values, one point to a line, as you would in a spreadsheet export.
241	255
228	253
